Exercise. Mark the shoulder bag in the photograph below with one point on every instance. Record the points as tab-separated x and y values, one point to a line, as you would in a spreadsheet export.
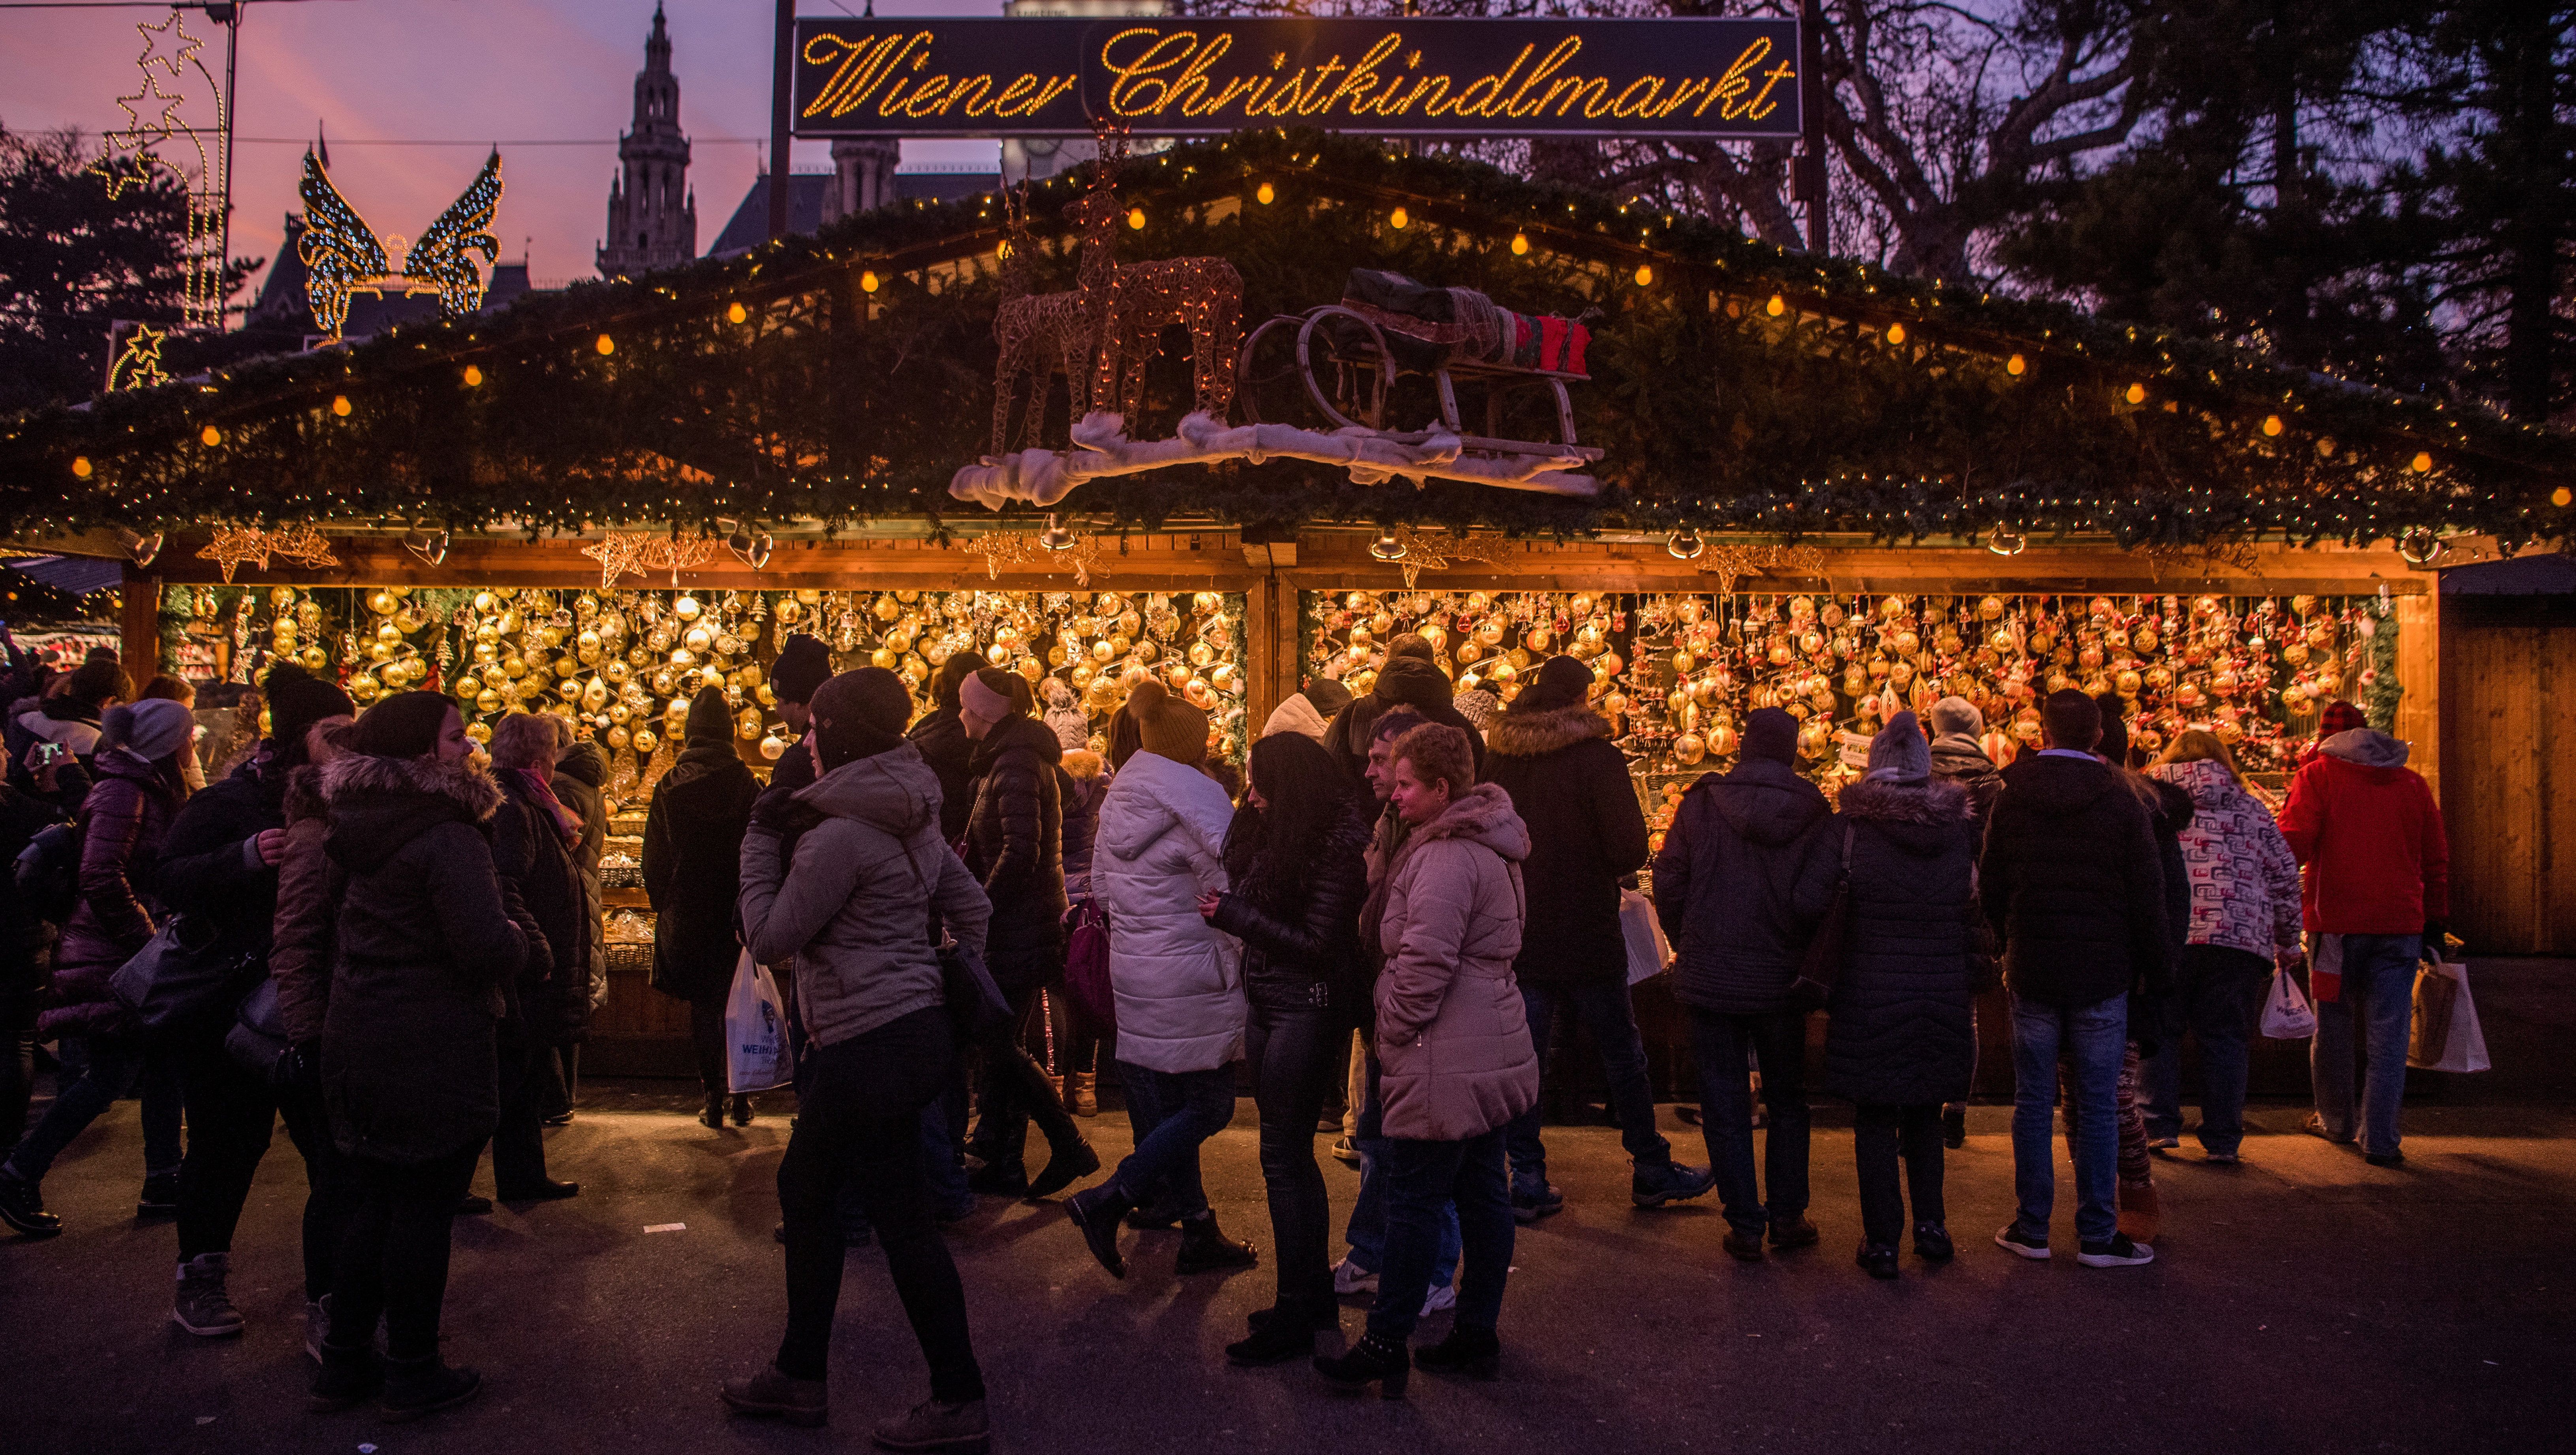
976	1007
1823	964
1086	969
185	977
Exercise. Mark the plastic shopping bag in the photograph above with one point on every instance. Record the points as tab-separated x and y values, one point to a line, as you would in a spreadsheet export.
2446	1035
1648	951
756	1054
2286	1013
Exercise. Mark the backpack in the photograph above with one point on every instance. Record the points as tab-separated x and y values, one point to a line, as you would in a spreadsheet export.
47	871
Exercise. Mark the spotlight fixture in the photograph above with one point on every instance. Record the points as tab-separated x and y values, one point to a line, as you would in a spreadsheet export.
2005	543
429	545
1684	545
140	548
1055	537
2420	547
1388	547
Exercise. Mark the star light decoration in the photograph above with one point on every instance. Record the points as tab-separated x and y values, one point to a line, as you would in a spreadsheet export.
236	546
138	360
1440	550
1006	548
1731	563
640	554
175	78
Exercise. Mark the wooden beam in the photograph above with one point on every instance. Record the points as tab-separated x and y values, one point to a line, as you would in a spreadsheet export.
139	626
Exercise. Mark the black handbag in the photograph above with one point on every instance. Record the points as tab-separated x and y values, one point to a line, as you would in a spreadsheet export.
184	978
1823	964
976	1007
257	1041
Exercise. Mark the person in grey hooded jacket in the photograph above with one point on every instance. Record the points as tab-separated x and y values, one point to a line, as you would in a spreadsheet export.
844	878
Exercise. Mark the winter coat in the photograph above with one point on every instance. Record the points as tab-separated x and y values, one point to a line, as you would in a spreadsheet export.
1176	978
950	754
2243	879
1299	923
854	912
580	777
424	946
2071	882
1085	783
692	869
1453	1043
1959	758
124	823
1406	682
1900	1031
211	869
1014	848
300	949
530	855
1570	786
23	932
1295	714
2370	836
1743	878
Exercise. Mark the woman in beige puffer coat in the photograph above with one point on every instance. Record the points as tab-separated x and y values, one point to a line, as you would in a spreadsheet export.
1454	1054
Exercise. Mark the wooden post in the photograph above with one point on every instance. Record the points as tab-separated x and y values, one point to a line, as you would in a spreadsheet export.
2419	673
1262	689
139	626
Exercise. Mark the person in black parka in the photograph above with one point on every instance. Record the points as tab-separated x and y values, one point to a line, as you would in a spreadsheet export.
1411	678
942	739
534	840
692	873
1744	877
1014	848
1900	1041
1552	753
580	784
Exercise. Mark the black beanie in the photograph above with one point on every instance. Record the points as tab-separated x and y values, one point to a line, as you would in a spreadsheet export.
710	718
801	667
1771	733
405	725
296	701
860	714
1559	682
2114	746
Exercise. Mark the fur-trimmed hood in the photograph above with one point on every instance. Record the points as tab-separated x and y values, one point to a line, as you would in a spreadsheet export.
304	798
377	805
1482	814
1921	819
1528	734
1082	765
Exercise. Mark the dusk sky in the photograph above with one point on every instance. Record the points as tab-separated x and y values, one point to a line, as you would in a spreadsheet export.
465	71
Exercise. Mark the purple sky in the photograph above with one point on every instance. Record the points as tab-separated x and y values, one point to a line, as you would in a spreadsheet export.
454	70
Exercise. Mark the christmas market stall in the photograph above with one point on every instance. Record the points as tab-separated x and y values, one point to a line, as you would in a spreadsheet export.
1237	412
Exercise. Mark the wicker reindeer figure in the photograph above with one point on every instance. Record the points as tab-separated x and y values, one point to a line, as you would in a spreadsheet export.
1040	334
1130	305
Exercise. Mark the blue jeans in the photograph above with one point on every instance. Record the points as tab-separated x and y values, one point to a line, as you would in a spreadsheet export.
1423	1178
1606	1011
1366	1232
1724	1046
2095	1040
1173	1112
2379	988
109	1068
2219	993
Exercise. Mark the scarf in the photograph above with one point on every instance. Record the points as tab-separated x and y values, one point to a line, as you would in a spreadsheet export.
567	823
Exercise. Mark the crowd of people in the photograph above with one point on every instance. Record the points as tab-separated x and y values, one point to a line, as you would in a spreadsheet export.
1416	892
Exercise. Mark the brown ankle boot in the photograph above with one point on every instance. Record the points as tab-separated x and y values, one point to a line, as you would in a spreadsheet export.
1084	1097
2141	1214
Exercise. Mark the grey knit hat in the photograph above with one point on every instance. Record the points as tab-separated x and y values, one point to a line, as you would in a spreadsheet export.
1899	754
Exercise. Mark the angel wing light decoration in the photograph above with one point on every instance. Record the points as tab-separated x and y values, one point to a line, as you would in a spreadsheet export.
343	257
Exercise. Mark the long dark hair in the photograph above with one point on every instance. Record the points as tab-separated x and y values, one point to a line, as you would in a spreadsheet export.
1269	851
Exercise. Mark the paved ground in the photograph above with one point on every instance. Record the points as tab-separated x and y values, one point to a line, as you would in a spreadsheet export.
2302	1302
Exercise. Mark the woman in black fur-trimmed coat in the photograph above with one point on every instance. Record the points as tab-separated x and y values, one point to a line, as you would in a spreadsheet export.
1901	1042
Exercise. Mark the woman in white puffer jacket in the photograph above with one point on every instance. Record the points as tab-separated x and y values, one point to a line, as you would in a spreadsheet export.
1177	980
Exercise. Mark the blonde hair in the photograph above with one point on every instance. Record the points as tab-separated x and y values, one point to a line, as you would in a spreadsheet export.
2197	745
524	740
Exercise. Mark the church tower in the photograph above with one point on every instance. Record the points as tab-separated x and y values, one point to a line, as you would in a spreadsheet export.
652	216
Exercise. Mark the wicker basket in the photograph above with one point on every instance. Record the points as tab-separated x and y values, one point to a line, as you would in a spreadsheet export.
634	959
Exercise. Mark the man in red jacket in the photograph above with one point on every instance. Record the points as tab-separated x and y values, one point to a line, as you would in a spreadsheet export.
2376	892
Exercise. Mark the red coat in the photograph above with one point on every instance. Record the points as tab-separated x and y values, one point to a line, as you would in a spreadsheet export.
2367	831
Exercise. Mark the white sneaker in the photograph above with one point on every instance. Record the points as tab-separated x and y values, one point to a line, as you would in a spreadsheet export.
1349	1277
1445	1296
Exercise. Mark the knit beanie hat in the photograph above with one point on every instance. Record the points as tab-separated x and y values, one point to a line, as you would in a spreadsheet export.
710	718
1480	707
2114	746
1328	696
405	725
1899	754
860	714
2340	717
1771	733
1559	682
801	667
156	728
1168	727
1410	644
296	701
987	694
1953	716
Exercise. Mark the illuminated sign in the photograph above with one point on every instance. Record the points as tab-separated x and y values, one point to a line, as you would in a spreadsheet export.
1161	76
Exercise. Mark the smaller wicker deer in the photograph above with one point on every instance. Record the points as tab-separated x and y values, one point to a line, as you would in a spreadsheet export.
1130	304
1041	334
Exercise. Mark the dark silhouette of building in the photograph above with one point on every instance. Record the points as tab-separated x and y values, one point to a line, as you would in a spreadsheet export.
652	216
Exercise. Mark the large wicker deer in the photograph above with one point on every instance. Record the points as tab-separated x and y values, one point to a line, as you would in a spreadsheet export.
1040	334
1130	305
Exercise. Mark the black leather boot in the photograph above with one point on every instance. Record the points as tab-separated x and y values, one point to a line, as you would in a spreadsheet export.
1372	1360
1471	1352
1206	1249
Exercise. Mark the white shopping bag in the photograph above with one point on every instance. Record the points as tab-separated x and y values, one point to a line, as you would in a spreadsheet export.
2286	1013
1648	951
756	1054
2464	1045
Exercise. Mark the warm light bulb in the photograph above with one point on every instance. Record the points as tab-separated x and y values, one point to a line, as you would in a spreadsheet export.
2271	425
340	405
81	470
211	435
2325	447
867	282
1398	219
2137	394
1896	333
1777	306
736	313
2422	462
473	377
2562	496
1265	194
1520	244
606	346
2016	366
1136	218
1645	276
